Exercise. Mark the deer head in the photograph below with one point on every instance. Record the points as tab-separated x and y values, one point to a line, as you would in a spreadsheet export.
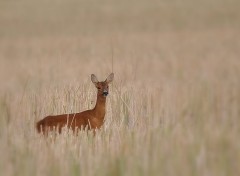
102	86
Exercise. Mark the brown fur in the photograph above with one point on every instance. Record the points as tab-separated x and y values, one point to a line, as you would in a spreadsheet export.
90	119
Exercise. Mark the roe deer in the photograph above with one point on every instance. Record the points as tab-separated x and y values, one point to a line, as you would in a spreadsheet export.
90	119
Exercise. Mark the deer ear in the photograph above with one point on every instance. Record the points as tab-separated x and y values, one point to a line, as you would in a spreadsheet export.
94	79
110	78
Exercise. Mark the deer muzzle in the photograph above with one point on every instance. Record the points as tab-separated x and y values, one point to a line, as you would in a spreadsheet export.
105	93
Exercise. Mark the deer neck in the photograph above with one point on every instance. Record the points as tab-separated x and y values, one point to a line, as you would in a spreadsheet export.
99	109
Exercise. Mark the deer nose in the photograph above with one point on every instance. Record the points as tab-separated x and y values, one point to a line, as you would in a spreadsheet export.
105	93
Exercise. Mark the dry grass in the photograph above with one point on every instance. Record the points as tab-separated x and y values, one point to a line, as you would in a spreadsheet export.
173	108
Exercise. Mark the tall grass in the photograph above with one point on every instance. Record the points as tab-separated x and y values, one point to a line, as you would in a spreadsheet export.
173	107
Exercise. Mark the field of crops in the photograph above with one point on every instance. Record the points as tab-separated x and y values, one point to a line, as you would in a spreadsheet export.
173	108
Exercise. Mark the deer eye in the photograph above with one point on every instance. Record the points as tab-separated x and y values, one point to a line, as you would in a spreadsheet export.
98	88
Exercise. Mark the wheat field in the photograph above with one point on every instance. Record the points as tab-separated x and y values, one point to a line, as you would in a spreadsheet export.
173	108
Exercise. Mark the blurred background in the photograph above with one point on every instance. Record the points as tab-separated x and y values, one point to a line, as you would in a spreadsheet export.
63	40
29	19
